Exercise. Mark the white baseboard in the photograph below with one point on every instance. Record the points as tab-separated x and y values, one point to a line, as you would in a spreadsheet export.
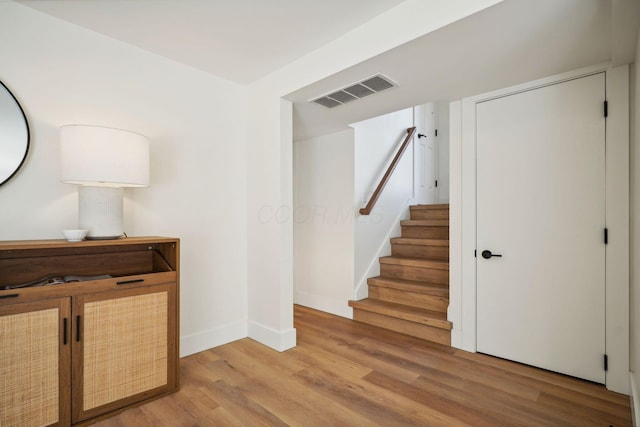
205	340
201	341
456	338
277	340
635	400
323	303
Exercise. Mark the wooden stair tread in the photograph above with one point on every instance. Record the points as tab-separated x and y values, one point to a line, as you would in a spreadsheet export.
410	286
425	223
427	207
419	242
404	312
411	295
415	262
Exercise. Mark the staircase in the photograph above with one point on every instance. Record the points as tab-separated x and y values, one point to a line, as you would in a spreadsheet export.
411	295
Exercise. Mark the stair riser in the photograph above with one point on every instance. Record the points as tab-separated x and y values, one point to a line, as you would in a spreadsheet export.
429	302
429	333
429	289
430	214
430	232
440	253
415	273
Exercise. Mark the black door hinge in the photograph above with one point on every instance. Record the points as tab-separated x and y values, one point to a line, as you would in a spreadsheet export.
606	109
606	236
606	362
436	132
436	183
475	253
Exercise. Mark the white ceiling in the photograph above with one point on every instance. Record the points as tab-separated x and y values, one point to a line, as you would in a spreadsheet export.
242	40
239	40
510	43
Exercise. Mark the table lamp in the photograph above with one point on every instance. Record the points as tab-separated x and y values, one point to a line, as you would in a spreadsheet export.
102	161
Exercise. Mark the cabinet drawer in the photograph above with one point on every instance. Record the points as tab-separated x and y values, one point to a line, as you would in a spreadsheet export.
137	280
19	295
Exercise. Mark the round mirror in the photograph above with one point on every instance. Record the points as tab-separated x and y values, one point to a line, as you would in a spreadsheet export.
14	135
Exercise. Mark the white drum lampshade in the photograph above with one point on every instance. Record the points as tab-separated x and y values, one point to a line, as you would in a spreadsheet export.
102	161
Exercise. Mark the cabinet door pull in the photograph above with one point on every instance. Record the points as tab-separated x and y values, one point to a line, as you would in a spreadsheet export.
126	282
78	328
9	296
64	331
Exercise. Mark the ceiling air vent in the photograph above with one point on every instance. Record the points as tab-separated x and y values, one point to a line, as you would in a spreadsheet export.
355	91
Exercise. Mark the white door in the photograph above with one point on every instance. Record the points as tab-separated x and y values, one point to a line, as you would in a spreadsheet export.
541	206
425	155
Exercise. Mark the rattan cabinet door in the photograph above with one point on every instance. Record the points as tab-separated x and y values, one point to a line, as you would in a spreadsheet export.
123	349
35	363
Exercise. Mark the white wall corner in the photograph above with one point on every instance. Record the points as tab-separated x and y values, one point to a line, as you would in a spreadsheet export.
624	31
444	151
324	222
454	312
277	340
286	226
467	228
361	290
336	306
205	340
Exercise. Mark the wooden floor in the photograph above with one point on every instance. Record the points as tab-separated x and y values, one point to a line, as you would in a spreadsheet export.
343	373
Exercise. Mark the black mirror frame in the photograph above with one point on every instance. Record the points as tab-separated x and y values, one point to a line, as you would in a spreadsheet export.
26	123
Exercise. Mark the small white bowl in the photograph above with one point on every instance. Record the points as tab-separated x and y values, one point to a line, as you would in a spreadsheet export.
75	235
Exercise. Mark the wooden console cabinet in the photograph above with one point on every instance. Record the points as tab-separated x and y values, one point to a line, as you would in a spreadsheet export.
72	353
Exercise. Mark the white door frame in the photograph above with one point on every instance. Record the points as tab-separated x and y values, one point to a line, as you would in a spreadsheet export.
462	264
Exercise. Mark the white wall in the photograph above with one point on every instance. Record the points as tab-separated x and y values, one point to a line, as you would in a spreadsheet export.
634	302
269	143
323	222
443	152
63	74
334	176
425	154
270	219
376	142
434	150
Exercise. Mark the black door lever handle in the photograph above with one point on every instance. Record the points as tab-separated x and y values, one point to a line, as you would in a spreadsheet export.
486	254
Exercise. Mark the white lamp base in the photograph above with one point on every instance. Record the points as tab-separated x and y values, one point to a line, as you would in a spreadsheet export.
100	211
